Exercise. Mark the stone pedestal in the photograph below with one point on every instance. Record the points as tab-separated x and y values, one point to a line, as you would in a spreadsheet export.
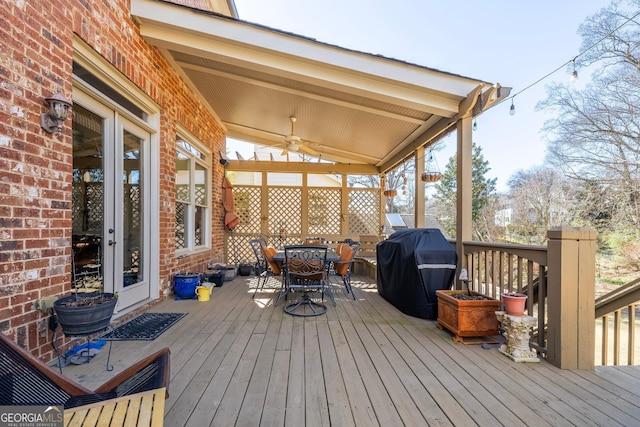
517	331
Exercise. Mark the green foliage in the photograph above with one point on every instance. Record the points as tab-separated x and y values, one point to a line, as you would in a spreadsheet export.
482	189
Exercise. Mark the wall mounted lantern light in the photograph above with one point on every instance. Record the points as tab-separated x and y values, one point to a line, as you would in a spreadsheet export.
223	161
59	109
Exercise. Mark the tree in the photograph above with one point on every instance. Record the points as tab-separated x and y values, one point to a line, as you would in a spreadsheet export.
483	189
539	198
400	179
605	40
594	135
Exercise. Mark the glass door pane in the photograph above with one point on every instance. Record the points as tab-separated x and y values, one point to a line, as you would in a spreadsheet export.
133	212
88	199
131	204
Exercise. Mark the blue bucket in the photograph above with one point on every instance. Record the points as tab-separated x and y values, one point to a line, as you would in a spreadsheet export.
184	285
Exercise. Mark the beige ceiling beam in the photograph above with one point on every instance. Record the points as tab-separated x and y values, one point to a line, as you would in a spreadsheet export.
466	105
309	167
493	96
408	144
275	140
428	138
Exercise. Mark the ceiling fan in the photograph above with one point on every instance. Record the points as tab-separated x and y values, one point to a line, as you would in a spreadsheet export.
294	143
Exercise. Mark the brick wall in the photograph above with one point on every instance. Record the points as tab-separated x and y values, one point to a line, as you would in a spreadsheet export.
35	167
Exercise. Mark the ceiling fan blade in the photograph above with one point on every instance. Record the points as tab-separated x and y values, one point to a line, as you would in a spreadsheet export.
310	151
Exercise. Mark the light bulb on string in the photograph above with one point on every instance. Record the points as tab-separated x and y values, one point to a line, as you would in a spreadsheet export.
475	125
512	109
574	74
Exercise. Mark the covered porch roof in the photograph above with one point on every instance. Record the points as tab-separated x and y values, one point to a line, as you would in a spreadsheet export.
352	108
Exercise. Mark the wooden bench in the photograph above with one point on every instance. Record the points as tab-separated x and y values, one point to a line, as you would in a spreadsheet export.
365	262
140	409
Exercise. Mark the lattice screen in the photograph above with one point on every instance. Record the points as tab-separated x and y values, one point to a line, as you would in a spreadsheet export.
364	211
180	217
285	210
247	204
77	207
324	210
182	192
94	207
132	211
242	249
132	207
201	195
284	213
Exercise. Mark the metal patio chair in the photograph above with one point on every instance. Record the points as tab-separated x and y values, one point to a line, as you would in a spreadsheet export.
306	271
347	252
272	267
26	381
260	266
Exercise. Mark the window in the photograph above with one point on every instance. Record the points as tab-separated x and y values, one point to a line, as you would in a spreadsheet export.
192	196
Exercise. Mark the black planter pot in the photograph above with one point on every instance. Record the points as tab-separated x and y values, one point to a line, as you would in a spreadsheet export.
244	269
86	319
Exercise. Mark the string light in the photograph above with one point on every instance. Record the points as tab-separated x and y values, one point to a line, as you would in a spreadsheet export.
574	74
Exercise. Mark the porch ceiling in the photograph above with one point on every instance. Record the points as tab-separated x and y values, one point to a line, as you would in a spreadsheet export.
351	107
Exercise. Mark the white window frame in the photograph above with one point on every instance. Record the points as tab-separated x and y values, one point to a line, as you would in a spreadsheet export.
190	209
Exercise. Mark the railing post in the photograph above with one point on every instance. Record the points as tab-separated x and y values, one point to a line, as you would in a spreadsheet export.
571	297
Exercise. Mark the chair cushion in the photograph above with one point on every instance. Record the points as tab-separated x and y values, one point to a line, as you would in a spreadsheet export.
276	266
345	252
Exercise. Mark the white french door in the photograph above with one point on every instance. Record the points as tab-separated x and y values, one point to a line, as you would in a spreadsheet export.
111	200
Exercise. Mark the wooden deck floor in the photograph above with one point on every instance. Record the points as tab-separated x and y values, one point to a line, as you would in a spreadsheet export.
241	361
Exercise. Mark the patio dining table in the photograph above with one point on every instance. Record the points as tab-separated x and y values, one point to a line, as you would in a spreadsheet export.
332	256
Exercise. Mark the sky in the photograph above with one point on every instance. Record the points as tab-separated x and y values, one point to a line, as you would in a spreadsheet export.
514	43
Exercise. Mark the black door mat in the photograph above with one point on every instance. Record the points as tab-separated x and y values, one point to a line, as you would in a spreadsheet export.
145	327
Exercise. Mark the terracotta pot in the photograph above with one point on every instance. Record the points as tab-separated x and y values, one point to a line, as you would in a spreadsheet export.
514	303
467	317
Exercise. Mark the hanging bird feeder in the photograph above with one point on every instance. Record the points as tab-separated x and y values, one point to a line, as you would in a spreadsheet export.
432	171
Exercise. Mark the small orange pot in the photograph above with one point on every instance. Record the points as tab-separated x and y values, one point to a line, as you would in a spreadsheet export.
514	303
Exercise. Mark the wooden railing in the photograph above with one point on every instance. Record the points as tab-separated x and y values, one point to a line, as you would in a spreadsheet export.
617	326
496	268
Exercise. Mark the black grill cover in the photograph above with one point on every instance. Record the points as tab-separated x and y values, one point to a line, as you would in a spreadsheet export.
412	265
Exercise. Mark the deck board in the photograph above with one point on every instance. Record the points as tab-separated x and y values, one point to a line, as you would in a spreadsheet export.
238	360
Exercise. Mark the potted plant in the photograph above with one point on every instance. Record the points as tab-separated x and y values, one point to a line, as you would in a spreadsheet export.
85	313
467	313
514	303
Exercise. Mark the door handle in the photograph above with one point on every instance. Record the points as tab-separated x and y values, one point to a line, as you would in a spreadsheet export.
111	242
